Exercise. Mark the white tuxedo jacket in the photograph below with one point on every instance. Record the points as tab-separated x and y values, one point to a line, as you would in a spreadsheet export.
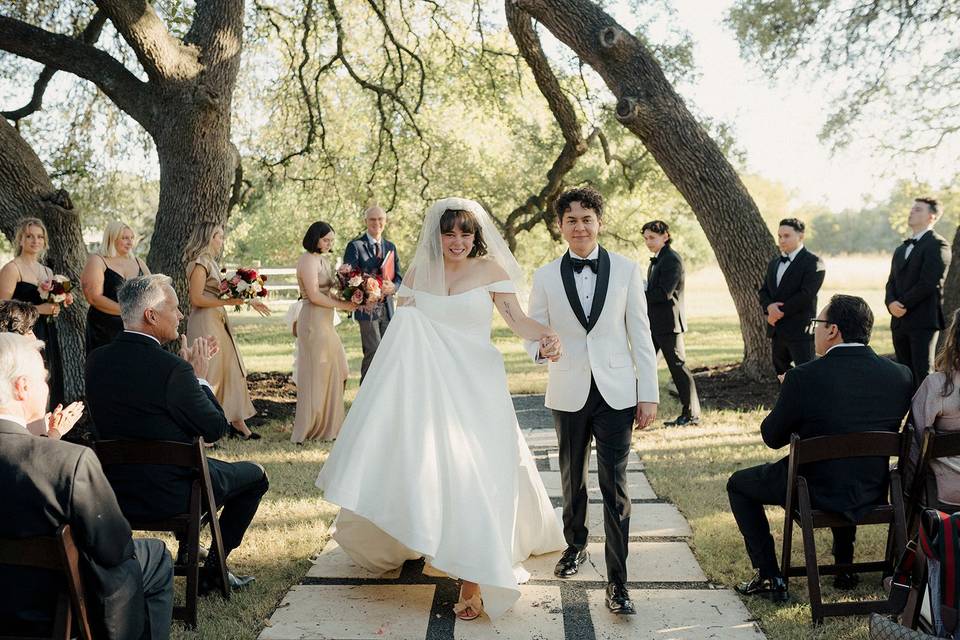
613	344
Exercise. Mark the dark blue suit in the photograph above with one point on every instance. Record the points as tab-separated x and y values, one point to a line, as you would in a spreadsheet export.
361	252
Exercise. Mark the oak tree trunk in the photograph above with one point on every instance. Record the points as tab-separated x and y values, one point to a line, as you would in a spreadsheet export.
650	108
26	191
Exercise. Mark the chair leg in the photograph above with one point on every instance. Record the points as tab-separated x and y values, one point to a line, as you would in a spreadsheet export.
787	546
192	573
810	555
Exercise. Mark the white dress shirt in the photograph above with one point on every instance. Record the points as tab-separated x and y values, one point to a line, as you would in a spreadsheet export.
586	281
783	266
376	244
916	238
844	344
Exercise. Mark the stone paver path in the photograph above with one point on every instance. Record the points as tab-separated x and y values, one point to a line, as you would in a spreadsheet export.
338	600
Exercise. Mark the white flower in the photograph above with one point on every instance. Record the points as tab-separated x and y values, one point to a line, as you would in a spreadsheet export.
256	287
242	286
355	281
59	298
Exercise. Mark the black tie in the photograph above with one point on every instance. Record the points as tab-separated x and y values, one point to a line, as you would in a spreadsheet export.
653	260
376	250
910	242
784	259
579	264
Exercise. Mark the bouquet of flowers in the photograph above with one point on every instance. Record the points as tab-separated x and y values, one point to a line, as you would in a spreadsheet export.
246	284
56	290
358	287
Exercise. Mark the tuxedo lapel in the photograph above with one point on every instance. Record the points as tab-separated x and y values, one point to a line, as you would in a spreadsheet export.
900	256
793	267
570	287
600	292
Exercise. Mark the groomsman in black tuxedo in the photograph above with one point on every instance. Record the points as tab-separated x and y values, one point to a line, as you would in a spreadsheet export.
915	290
137	390
850	389
48	483
367	251
668	316
788	297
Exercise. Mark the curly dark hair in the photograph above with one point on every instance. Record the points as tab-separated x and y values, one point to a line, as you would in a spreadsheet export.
659	227
17	317
588	197
795	223
467	222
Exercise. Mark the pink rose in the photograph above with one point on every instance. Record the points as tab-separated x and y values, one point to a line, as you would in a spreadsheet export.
372	286
68	300
235	280
45	286
357	297
345	268
355	281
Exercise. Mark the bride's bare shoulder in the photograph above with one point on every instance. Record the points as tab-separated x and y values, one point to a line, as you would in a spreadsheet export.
490	270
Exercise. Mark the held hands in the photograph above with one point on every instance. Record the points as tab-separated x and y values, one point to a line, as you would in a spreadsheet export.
550	347
774	313
896	308
199	354
646	414
59	421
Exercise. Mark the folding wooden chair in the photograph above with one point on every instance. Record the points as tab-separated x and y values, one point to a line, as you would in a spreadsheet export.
798	508
202	509
56	553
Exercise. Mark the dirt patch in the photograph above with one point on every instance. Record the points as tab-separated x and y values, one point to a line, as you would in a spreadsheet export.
726	387
274	397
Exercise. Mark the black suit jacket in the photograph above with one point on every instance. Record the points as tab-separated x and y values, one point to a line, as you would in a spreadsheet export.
360	253
138	391
49	483
665	293
849	390
798	291
917	282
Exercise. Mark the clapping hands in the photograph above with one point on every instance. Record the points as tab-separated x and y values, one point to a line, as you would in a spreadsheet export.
59	421
550	347
200	353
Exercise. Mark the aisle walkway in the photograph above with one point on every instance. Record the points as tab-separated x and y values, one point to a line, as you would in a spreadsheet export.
338	600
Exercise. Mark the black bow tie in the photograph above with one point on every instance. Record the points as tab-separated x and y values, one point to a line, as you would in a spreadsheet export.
653	260
910	242
579	264
784	259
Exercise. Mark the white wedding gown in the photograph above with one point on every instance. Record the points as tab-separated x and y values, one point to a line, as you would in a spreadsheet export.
430	460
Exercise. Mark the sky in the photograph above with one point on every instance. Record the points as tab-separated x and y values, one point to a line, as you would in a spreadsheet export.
776	123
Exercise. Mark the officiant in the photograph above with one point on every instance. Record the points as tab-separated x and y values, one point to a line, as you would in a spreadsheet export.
376	255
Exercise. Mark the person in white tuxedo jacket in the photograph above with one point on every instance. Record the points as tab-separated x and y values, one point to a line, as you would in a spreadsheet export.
603	383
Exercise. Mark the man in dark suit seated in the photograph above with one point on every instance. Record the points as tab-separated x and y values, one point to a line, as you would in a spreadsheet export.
788	297
138	391
849	390
47	483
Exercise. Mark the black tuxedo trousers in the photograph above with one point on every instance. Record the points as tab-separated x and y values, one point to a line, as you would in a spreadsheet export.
613	431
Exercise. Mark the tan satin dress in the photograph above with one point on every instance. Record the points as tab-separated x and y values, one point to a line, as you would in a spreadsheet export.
226	375
321	367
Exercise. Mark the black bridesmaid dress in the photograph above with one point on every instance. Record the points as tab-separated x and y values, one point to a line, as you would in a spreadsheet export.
45	329
102	327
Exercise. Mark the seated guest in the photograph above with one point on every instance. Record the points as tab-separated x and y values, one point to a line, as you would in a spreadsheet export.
47	484
936	405
139	391
19	317
849	390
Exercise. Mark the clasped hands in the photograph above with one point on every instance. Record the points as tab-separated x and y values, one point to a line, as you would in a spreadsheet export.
550	347
896	309
199	353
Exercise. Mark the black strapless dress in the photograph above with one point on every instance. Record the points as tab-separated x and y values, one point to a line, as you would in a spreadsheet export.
45	329
102	327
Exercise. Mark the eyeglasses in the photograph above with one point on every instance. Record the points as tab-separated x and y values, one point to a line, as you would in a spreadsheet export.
813	324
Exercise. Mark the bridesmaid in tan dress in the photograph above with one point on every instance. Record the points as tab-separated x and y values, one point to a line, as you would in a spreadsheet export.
208	317
322	363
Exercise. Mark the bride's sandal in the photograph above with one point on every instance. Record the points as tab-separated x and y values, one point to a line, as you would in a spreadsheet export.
469	609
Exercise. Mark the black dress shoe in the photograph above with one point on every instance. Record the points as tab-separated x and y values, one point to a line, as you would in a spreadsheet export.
618	599
682	421
773	589
570	562
209	583
846	581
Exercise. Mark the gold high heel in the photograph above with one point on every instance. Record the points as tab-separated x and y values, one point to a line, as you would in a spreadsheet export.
469	609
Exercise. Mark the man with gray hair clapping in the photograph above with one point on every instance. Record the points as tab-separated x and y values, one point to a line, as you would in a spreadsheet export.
136	390
49	484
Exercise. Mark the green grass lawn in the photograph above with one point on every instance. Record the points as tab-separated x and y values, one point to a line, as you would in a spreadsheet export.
689	467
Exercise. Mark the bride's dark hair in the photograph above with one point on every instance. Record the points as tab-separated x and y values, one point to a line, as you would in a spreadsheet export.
467	222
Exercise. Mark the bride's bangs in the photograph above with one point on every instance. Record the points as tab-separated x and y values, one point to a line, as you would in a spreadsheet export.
468	223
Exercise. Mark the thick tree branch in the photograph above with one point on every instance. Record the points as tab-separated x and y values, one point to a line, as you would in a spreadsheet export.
64	53
90	35
161	55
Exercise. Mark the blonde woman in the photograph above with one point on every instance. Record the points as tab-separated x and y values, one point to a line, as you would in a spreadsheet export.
321	362
208	317
104	274
20	279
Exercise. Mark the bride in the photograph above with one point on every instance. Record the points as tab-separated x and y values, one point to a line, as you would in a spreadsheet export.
430	461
